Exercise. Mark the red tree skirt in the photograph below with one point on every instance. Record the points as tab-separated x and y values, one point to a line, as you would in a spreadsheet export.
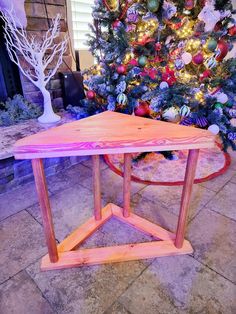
155	169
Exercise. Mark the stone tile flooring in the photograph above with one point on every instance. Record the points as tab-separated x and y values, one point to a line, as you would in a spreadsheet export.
204	282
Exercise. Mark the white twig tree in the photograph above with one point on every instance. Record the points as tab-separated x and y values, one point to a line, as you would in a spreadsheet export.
42	56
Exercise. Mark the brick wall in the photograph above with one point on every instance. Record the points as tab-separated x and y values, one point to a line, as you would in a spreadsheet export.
37	25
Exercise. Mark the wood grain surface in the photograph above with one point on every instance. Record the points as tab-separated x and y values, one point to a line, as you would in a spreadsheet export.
111	132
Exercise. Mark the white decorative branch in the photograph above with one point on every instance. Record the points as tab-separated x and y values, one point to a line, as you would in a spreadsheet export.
38	54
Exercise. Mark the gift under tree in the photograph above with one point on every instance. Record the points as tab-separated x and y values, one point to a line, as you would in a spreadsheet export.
165	60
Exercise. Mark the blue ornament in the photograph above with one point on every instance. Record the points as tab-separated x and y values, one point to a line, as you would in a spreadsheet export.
121	99
187	121
201	121
179	64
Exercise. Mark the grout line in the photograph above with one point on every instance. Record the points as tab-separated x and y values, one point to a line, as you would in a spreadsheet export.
10	277
130	284
212	269
3	220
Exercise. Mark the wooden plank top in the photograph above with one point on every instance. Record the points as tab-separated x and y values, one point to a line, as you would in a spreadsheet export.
111	132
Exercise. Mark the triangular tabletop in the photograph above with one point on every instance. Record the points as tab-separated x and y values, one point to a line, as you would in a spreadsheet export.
111	132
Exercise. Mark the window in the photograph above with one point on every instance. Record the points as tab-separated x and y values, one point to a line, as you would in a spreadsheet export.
81	16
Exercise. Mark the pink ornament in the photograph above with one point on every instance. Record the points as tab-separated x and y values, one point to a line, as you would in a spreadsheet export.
189	4
121	69
157	46
90	94
198	58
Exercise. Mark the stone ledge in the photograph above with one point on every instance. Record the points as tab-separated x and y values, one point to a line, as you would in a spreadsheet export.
10	134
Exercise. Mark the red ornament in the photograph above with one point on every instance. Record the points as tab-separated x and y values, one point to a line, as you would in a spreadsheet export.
169	76
198	58
121	69
205	74
133	62
142	110
218	26
232	30
223	49
90	94
158	46
189	4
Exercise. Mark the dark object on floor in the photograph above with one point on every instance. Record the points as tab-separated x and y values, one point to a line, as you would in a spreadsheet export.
72	87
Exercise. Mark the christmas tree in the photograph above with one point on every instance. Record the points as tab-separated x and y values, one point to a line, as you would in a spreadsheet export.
165	60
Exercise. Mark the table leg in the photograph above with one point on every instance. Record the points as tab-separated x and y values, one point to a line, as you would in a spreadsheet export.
97	187
126	184
41	187
186	194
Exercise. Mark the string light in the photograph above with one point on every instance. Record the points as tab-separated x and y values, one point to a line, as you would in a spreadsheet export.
199	96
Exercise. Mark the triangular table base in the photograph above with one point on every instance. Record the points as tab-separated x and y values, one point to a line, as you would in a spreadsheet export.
74	258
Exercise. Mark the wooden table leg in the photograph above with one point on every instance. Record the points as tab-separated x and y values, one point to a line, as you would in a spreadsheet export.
41	187
96	187
126	184
186	194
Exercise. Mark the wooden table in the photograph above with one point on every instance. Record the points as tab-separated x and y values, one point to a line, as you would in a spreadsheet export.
112	133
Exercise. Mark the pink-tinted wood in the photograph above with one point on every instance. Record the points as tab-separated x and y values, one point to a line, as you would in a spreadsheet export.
96	187
126	184
121	253
80	234
111	132
44	203
186	195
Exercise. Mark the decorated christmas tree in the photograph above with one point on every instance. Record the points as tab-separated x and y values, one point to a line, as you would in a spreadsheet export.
165	60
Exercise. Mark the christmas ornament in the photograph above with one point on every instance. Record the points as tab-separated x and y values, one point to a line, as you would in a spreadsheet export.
121	87
132	14
153	5
189	4
214	129
169	76
209	16
222	50
184	111
169	10
233	122
206	74
232	113
142	61
164	85
232	30
171	114
211	44
90	94
142	110
179	64
210	62
222	98
121	69
201	122
232	136
218	105
158	46
187	121
121	99
198	58
186	57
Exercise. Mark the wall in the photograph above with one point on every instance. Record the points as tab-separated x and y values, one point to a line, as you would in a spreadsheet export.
37	24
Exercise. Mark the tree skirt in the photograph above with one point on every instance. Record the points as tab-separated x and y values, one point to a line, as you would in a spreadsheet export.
155	169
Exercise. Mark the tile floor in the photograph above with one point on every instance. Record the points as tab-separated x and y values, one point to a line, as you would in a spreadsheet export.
203	282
